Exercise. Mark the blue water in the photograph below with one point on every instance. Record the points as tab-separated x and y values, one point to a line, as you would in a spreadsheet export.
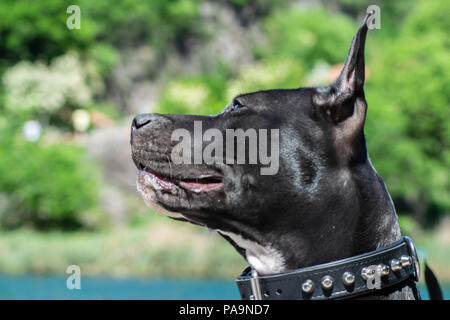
34	287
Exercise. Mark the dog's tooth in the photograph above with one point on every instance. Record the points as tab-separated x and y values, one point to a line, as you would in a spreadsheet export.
148	179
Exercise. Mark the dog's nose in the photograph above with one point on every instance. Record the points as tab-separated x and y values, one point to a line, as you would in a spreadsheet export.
141	120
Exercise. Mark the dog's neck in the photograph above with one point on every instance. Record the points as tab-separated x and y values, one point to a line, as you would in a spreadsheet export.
376	227
359	223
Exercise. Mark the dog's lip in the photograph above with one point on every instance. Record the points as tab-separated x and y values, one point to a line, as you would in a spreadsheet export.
200	183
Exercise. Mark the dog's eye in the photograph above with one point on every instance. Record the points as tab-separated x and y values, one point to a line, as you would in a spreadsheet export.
237	106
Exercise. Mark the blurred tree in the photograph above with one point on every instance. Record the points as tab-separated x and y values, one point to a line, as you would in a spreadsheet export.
50	92
392	12
200	94
43	186
407	128
265	75
32	30
308	36
130	22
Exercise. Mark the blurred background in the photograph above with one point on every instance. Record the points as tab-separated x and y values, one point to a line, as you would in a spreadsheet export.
67	97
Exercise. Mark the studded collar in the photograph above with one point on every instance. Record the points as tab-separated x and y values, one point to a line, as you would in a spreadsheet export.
349	277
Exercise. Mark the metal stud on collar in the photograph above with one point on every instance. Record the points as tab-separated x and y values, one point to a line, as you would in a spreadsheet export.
396	265
367	273
406	260
383	269
348	278
308	286
327	282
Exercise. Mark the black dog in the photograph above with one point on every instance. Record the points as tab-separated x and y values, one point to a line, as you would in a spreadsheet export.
325	203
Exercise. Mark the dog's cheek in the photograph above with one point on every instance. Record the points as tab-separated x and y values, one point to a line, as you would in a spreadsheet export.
248	181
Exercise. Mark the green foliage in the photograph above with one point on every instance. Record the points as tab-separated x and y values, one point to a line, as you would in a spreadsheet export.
40	88
209	93
409	226
150	250
51	92
32	30
257	7
392	12
44	186
188	96
200	94
105	57
407	128
128	22
308	36
265	75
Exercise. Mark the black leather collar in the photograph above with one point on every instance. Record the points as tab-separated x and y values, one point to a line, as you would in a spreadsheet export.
350	277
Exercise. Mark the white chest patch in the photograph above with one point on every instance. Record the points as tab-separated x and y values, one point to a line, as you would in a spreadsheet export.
264	259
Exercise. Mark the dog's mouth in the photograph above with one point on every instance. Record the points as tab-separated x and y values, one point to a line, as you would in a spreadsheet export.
178	195
197	184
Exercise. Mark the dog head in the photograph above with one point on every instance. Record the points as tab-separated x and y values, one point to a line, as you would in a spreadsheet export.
287	189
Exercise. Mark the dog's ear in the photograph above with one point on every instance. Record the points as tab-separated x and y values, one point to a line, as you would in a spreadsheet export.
343	101
338	98
351	79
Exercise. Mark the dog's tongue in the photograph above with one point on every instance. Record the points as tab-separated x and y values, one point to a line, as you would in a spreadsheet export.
199	186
